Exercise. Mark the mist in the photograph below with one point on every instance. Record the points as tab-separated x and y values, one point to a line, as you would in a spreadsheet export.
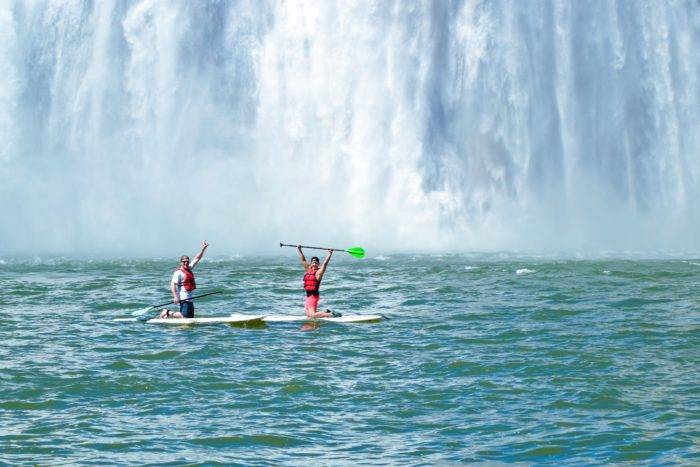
142	128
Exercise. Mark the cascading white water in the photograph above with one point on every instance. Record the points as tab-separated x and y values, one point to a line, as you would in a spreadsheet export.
142	127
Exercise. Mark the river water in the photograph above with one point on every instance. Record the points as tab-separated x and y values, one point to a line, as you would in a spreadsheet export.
484	358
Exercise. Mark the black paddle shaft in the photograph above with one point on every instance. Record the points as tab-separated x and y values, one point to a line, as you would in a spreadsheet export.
311	247
196	296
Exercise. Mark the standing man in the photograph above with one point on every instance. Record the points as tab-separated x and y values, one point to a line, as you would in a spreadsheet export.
312	283
182	285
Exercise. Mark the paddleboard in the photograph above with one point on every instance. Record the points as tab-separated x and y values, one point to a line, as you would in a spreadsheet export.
341	319
233	319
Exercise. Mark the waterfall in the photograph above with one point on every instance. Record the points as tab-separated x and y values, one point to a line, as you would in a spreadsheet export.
142	127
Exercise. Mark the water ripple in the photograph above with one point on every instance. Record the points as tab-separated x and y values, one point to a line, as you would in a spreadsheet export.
477	364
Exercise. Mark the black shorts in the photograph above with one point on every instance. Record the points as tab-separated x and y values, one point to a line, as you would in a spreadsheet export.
187	309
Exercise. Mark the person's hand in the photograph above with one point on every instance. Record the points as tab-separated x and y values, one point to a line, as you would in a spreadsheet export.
176	301
204	244
330	251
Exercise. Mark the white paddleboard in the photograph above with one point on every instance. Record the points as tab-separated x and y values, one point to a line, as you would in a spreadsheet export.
342	319
233	319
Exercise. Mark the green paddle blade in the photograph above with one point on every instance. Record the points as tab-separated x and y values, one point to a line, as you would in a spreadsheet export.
356	251
142	311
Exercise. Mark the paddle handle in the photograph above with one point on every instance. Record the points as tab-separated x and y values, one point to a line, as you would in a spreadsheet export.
196	296
311	247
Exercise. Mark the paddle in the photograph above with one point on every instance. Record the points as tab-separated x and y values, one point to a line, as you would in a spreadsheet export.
143	311
355	251
360	314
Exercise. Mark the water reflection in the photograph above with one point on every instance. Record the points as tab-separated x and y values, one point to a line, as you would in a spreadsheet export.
311	325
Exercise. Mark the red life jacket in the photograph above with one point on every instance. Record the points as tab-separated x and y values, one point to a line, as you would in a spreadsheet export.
188	281
311	284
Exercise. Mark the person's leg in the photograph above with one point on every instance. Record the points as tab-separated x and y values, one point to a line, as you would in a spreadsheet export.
170	314
187	309
310	306
310	312
309	309
322	314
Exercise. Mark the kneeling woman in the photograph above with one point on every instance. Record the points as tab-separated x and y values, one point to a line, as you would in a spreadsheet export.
182	285
312	283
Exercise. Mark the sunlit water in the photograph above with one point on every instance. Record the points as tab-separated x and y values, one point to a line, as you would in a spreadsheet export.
483	359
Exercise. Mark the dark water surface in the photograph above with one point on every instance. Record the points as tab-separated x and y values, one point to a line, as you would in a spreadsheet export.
484	359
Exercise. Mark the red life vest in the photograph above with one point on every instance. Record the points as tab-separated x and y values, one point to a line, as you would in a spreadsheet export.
188	281
311	284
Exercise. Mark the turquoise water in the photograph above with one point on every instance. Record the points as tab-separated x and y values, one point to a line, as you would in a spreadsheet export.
484	359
